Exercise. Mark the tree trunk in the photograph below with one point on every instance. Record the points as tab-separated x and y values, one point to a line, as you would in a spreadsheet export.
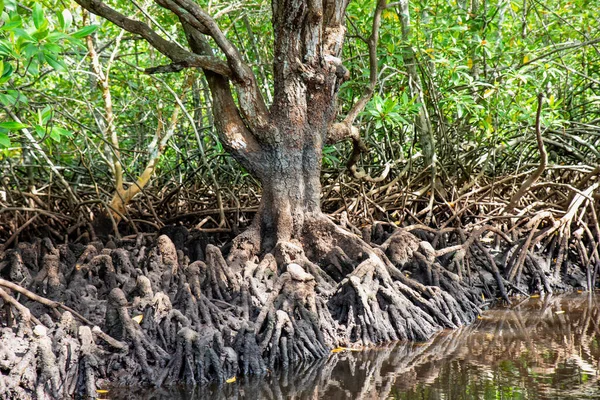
291	188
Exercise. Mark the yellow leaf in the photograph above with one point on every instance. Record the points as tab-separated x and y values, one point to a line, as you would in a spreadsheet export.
479	317
525	59
389	15
338	349
482	297
470	63
101	391
230	380
580	291
535	296
559	312
488	93
138	318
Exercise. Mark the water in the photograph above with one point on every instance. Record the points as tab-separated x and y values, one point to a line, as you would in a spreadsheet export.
543	348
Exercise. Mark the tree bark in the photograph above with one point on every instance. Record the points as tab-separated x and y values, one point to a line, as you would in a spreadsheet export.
283	146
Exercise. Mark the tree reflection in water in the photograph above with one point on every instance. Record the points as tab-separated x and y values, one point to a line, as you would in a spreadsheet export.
544	348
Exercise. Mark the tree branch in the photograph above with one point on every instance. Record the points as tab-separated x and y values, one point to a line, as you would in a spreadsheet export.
250	99
205	24
372	42
166	47
345	129
110	131
233	133
216	66
514	200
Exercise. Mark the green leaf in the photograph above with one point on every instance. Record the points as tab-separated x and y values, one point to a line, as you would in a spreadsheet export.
40	34
55	63
41	132
6	49
23	35
30	50
85	31
7	100
55	135
65	19
19	97
58	131
51	48
4	140
45	115
38	17
13	125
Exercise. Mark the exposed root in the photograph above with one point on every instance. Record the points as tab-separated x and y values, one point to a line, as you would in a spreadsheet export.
139	312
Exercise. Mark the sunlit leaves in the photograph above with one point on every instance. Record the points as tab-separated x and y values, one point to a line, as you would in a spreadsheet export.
85	31
65	19
4	139
33	41
39	20
12	125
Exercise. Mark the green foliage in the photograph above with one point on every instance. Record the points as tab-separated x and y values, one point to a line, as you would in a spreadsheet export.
480	70
481	65
32	44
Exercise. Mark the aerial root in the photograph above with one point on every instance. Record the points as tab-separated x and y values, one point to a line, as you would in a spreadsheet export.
120	325
290	322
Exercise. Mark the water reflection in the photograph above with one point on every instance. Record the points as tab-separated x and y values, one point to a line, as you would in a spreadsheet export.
544	348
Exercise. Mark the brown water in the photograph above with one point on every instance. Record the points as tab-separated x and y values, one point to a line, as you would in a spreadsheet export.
543	348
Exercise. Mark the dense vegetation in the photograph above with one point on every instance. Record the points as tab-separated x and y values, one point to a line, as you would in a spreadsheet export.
453	147
479	68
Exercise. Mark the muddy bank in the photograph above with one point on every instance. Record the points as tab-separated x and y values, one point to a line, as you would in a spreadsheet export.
170	308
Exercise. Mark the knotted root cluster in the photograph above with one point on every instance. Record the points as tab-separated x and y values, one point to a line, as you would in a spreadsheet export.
144	311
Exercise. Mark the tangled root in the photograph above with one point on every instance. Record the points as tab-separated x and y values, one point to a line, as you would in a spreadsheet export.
144	314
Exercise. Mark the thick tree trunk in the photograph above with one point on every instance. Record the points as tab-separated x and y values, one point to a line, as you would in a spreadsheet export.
291	188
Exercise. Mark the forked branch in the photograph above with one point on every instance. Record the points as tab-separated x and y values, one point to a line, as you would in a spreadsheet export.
166	47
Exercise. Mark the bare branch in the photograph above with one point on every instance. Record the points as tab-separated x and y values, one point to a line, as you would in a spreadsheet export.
344	130
250	99
233	133
198	62
166	47
110	129
207	25
372	42
514	200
